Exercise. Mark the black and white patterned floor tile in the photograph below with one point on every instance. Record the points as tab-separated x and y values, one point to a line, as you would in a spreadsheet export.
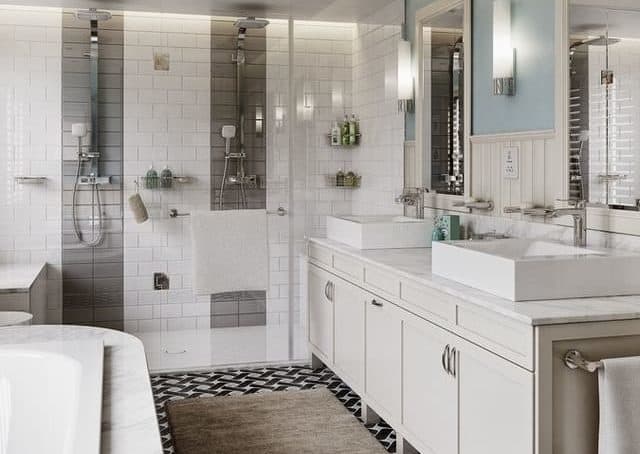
249	381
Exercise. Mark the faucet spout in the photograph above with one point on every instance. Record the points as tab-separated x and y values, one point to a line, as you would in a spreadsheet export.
413	198
579	215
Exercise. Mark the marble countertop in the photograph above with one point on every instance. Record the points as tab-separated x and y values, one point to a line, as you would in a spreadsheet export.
129	423
18	278
415	264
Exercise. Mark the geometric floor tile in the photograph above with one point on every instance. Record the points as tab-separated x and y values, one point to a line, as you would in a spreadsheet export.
248	381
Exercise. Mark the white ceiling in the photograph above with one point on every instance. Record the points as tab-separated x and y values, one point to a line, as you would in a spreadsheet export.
326	10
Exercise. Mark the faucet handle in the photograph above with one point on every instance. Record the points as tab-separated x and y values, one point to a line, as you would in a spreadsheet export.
573	203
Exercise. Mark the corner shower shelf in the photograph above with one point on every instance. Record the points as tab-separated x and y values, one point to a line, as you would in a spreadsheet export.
157	184
346	145
30	180
332	182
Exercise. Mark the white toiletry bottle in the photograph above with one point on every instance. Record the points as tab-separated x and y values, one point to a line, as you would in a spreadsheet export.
335	134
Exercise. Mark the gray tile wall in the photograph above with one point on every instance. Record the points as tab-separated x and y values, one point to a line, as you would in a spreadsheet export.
238	308
93	277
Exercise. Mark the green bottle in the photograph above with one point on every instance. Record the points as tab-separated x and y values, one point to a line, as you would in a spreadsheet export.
353	130
151	179
345	131
166	178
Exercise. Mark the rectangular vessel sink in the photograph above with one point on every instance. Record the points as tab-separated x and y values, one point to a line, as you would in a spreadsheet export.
380	232
529	270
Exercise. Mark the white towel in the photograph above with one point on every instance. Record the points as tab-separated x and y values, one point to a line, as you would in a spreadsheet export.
619	387
229	251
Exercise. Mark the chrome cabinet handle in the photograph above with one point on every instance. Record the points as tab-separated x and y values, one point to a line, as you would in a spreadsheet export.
452	365
326	290
332	292
377	303
445	358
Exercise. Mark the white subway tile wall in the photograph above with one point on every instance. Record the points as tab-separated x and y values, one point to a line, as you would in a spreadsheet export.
380	158
166	123
30	142
324	93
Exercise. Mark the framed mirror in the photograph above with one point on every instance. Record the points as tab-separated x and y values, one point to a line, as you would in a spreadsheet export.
604	105
443	89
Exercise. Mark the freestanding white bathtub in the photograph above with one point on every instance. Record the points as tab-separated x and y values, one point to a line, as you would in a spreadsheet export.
51	397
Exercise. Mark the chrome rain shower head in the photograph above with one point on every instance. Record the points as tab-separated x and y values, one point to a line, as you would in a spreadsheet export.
600	41
251	23
93	14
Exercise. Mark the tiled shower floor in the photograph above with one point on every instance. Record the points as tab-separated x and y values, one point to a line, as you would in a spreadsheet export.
170	351
168	387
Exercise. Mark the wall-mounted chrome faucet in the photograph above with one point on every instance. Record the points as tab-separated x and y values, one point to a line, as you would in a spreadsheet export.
577	210
413	197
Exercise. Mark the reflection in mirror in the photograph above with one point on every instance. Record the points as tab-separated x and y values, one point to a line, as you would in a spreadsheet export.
443	109
604	106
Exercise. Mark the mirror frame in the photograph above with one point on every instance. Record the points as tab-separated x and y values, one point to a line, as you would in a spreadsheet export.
444	201
599	218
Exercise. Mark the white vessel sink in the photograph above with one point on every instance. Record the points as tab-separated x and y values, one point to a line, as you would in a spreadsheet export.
529	270
380	232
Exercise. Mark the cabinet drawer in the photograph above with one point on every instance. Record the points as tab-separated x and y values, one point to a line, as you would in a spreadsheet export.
14	302
427	302
504	336
381	280
320	254
348	266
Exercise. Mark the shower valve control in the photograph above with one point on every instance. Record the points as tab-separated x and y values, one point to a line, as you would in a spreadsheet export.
91	180
160	281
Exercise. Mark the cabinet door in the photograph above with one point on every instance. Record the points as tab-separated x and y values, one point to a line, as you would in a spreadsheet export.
321	312
496	404
349	306
383	357
430	393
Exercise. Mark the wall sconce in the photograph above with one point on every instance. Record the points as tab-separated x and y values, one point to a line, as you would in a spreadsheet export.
405	77
503	51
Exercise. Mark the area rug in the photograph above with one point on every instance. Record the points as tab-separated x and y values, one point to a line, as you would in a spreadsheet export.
291	422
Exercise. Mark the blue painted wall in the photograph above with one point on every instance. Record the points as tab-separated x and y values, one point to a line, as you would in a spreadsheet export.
533	36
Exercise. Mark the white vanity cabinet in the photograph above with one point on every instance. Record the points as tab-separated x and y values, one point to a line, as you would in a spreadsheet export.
321	313
383	358
442	393
349	325
430	391
495	401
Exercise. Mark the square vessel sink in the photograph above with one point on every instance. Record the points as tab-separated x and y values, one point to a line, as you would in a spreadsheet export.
380	232
529	270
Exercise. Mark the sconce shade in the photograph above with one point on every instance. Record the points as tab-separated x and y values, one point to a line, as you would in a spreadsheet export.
503	52
405	77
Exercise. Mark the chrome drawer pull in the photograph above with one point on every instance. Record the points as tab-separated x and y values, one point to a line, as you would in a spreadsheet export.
377	303
452	362
445	360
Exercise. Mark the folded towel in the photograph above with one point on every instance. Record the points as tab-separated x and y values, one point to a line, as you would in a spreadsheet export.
619	387
230	251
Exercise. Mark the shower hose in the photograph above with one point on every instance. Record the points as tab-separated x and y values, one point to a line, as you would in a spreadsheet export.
97	238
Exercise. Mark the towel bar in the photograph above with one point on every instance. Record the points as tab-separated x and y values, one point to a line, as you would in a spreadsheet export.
573	359
173	213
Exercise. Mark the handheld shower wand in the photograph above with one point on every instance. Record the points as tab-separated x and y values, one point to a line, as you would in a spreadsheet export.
228	133
80	130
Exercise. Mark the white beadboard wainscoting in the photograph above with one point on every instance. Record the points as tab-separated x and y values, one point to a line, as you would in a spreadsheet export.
541	177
